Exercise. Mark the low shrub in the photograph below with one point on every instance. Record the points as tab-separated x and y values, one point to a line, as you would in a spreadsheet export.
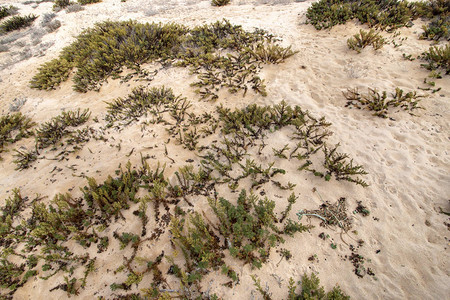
364	39
437	57
14	127
220	2
381	103
84	2
6	11
17	22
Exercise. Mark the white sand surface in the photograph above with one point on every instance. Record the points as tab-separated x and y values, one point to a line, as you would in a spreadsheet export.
407	157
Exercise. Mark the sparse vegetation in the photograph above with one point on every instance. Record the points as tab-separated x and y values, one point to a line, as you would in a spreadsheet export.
364	39
220	2
381	103
386	15
437	57
16	23
61	4
380	14
309	289
6	11
14	127
84	2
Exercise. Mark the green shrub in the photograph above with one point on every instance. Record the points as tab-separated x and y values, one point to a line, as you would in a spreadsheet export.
310	289
380	103
271	53
17	22
14	127
364	38
437	29
84	2
385	14
51	132
437	58
61	4
220	2
7	11
51	74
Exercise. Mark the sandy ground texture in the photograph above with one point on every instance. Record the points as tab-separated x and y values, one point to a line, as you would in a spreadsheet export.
406	238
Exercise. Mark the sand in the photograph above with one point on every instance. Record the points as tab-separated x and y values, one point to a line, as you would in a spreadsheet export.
407	157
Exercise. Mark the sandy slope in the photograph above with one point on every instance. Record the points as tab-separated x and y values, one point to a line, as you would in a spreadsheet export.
407	158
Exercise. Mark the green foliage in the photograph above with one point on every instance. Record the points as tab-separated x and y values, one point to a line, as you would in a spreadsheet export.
381	103
337	164
310	289
220	2
200	245
141	102
271	53
249	228
51	132
437	58
438	11
24	159
17	22
14	127
109	47
51	74
437	29
385	14
6	11
84	2
114	194
61	3
364	38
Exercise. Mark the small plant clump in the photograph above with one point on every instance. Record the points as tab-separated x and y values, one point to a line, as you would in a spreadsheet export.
84	2
17	22
220	2
364	39
51	133
437	58
309	289
438	11
381	103
6	11
14	127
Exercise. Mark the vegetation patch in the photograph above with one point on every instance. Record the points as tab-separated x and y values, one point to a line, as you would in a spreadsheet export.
131	44
364	39
219	2
16	23
386	15
6	11
437	57
380	103
381	14
307	288
14	127
51	134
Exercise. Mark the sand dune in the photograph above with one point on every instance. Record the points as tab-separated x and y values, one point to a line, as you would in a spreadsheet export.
406	238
